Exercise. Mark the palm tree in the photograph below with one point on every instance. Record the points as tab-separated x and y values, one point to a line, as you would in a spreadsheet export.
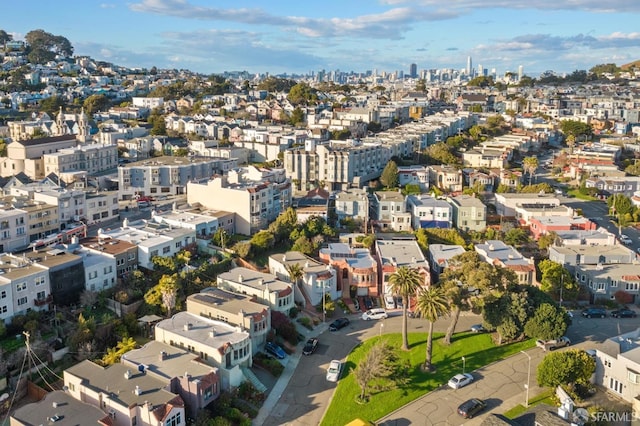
405	282
530	166
431	305
295	273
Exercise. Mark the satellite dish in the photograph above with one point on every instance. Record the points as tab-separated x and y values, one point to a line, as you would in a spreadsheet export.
65	388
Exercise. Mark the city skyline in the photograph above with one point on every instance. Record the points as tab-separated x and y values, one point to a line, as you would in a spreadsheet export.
291	37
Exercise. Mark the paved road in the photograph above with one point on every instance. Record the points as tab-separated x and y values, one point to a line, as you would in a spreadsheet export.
302	395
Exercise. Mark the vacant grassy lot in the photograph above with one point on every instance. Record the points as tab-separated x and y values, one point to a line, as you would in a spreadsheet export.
478	350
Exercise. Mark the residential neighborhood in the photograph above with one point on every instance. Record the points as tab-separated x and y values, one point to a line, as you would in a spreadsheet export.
172	243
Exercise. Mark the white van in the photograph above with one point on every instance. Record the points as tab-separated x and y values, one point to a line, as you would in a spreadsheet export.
375	313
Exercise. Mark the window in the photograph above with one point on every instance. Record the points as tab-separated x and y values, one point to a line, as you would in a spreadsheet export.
22	301
40	281
21	286
4	309
41	295
173	420
3	294
166	250
633	376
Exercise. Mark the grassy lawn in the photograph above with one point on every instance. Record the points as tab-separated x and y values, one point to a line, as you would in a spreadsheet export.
576	193
546	397
478	350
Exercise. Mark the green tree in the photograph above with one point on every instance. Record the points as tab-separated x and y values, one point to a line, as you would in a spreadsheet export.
405	282
263	240
95	103
465	272
3	148
159	125
164	293
114	355
4	37
516	237
378	363
554	277
51	105
547	240
569	367
297	117
44	47
302	93
575	128
389	177
548	322
530	165
295	273
422	237
431	304
421	85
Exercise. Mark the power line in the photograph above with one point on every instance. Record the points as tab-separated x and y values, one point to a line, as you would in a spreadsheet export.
15	392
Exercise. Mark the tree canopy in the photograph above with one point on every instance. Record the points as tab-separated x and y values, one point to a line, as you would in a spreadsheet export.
575	128
389	177
566	367
43	46
548	322
302	93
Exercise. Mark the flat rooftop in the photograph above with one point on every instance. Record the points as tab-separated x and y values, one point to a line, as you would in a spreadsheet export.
72	411
212	333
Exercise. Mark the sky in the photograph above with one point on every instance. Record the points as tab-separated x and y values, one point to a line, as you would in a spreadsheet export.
285	36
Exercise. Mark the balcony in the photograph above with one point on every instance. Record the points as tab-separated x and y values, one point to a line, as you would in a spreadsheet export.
42	302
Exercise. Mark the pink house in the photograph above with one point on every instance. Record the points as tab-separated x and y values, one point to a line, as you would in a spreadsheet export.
541	225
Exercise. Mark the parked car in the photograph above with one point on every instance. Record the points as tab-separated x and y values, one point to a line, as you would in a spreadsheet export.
333	372
310	347
338	324
368	303
399	302
624	239
623	313
377	313
275	350
389	302
478	328
356	304
470	408
553	344
594	313
460	380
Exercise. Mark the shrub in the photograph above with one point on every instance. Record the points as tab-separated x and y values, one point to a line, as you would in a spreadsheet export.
293	312
306	321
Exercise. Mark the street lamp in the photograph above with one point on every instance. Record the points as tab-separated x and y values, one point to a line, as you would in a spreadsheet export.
526	404
464	363
381	327
324	310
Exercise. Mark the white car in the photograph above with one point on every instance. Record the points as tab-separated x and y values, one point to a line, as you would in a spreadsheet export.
550	345
624	239
389	302
333	372
375	313
460	380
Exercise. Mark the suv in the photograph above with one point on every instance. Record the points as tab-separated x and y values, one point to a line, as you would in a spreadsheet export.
553	344
376	313
594	312
470	408
624	239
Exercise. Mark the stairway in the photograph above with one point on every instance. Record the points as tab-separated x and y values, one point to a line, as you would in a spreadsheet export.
248	374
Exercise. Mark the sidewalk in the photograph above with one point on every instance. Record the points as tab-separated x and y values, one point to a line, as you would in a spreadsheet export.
289	369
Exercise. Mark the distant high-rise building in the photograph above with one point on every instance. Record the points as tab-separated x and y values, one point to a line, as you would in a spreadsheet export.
413	70
520	72
469	65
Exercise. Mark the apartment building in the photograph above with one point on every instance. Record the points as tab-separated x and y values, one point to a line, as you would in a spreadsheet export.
390	211
506	203
24	286
469	213
439	257
102	206
57	403
66	273
201	225
147	102
151	239
235	309
429	212
72	204
182	372
217	344
395	253
353	204
342	165
167	175
26	156
414	175
354	267
124	253
13	229
317	281
604	280
126	396
91	158
618	368
257	196
100	271
447	178
500	254
266	288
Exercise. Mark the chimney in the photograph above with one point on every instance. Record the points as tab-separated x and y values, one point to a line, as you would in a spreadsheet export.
212	332
239	278
127	374
163	355
284	257
138	391
188	326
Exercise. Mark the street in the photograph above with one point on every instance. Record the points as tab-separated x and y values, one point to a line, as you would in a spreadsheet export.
306	396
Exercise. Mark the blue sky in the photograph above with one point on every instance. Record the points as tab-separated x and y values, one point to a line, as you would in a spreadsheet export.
283	36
